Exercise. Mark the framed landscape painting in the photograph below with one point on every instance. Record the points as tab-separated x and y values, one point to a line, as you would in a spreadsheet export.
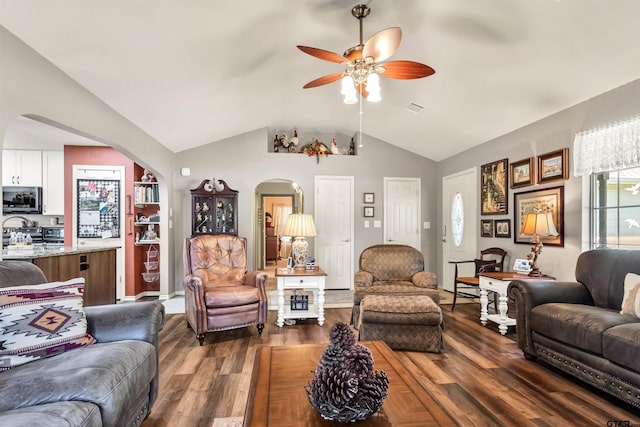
494	180
522	173
553	166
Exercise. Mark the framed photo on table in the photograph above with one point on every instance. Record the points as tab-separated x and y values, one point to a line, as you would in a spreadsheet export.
369	197
486	228
551	199
368	212
553	166
494	180
522	173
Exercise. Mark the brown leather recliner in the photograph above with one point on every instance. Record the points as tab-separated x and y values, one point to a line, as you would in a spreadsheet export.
219	293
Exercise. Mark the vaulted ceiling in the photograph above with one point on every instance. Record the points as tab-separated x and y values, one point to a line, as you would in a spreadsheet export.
192	72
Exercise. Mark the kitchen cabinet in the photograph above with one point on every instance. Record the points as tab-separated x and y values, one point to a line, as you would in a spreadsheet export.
214	211
97	267
22	167
52	185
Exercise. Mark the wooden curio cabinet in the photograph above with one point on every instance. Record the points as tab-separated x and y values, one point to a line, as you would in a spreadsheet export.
214	210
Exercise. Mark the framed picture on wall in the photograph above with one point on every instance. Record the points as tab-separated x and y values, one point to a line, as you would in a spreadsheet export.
494	187
522	173
502	228
549	199
553	166
486	228
369	197
368	211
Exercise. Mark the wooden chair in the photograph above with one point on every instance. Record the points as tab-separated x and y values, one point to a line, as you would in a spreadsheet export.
494	261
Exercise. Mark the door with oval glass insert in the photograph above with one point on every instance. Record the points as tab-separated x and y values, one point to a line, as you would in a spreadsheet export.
460	223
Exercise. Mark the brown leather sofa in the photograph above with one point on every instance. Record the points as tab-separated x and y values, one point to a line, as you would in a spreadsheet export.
219	293
392	270
577	326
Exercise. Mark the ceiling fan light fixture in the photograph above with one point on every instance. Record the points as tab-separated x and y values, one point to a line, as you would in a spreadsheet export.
347	85
351	97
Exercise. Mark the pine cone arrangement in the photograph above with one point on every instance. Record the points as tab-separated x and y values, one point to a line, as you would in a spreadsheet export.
345	387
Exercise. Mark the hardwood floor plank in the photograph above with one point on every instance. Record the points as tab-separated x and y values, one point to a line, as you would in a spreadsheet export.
480	379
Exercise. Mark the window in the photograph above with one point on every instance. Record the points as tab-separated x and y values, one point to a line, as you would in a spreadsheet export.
615	209
457	219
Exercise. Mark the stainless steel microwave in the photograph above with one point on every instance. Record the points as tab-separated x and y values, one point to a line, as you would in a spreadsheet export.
22	200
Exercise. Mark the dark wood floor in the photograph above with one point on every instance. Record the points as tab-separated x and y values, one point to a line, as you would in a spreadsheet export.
480	379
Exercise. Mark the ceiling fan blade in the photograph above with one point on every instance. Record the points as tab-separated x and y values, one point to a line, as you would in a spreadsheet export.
322	54
406	70
382	44
329	78
362	88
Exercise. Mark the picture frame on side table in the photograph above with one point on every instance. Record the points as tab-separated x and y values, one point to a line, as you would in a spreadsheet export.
551	199
486	228
369	197
522	173
368	212
494	188
553	166
502	228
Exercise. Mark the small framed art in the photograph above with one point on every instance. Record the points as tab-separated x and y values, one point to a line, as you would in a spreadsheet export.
369	197
522	173
368	211
486	228
502	228
553	166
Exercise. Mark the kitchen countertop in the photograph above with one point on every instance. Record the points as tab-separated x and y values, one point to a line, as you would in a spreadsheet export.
40	251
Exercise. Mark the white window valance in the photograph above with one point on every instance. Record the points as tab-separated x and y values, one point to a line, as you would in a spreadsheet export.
613	147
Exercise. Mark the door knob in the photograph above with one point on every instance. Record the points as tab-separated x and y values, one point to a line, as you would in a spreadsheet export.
346	240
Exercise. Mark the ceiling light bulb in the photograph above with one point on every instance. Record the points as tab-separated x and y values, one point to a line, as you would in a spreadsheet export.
374	96
373	83
347	85
351	97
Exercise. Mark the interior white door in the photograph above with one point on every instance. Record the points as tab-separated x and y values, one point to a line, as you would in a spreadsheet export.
402	211
334	223
84	172
459	219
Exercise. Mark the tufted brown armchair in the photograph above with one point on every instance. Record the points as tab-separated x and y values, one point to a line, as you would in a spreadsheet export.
392	270
219	293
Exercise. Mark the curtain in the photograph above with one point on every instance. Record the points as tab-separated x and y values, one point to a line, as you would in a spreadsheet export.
612	147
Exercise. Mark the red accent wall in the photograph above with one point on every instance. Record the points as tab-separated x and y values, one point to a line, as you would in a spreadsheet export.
102	156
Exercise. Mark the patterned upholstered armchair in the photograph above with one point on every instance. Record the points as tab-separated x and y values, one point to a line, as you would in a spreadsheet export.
219	293
392	270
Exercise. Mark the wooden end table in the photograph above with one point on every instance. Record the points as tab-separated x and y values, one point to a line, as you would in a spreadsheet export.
498	282
300	278
277	397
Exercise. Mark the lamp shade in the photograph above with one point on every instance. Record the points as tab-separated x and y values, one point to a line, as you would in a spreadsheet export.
540	224
299	225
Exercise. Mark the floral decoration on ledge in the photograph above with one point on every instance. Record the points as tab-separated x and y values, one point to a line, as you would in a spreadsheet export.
282	143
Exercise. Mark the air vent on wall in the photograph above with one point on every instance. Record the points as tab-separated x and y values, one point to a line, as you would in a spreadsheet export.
415	108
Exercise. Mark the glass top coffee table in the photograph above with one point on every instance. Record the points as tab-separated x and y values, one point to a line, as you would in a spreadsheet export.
277	396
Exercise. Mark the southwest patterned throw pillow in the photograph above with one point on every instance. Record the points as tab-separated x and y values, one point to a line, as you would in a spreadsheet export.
39	321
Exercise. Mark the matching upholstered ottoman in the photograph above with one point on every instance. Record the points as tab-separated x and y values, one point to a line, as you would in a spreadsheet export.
402	322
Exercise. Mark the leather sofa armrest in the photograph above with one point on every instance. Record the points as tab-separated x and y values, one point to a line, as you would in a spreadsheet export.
362	279
425	279
132	321
526	294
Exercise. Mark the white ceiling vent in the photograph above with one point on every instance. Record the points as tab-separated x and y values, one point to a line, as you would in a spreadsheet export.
415	108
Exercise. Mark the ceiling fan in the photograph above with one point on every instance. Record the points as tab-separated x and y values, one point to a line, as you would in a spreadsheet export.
364	62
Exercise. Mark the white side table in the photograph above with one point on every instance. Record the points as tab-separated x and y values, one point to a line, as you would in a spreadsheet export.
498	282
292	279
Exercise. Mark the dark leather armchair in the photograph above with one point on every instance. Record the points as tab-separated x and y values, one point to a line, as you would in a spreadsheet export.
219	293
491	260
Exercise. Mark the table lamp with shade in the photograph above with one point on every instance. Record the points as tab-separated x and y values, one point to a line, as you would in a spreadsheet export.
299	226
537	224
